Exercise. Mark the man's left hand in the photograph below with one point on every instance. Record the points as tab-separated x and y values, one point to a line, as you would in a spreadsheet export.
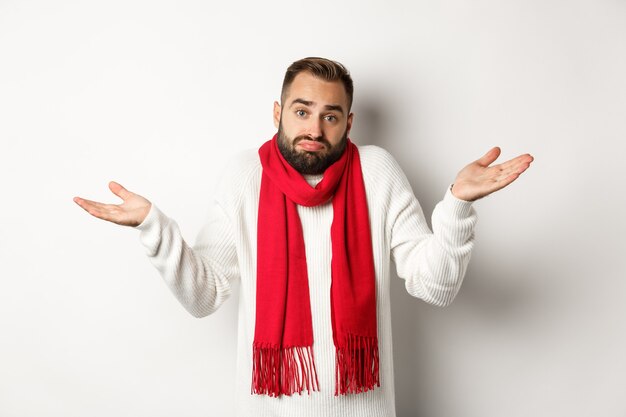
478	179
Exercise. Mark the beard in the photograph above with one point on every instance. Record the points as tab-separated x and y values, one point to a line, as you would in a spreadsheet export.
307	162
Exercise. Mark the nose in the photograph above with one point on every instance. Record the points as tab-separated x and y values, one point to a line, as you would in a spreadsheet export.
315	128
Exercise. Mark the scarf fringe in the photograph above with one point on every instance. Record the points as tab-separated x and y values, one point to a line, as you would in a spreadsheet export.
277	371
356	365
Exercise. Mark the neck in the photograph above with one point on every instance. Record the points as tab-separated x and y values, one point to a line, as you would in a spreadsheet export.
313	179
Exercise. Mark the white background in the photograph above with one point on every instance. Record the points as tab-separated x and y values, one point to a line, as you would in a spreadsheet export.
157	94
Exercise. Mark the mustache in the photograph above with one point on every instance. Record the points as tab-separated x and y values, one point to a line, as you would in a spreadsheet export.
320	139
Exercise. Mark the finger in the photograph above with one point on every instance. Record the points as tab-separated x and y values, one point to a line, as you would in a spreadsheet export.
99	210
508	177
520	160
522	168
119	191
499	178
519	165
84	203
508	180
488	158
515	169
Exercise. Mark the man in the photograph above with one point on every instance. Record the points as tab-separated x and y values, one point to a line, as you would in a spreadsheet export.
309	223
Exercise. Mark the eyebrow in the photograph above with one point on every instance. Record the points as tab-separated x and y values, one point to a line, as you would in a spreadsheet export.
336	107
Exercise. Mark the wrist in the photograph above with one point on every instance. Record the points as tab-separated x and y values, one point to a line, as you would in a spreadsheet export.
459	196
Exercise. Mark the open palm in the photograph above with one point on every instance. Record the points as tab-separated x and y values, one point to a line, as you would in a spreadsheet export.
131	212
478	179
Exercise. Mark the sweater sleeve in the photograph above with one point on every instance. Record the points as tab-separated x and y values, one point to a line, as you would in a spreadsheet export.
200	276
433	263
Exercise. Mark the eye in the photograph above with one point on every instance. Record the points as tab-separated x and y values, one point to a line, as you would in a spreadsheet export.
331	118
300	112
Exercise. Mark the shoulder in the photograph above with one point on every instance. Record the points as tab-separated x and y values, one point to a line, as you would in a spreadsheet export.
239	167
378	165
386	185
239	173
373	153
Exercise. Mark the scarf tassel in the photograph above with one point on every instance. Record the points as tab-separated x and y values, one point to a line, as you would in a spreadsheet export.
277	371
356	365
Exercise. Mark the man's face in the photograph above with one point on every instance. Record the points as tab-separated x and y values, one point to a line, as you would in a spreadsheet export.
313	123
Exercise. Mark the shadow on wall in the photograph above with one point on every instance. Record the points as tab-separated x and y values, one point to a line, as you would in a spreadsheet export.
377	122
492	295
485	296
372	127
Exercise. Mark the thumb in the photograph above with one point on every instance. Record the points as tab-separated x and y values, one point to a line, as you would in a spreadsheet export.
119	191
489	157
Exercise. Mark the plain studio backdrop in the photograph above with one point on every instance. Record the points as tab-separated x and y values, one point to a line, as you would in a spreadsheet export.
157	95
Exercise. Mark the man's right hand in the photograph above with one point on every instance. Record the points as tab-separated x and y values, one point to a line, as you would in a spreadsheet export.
131	212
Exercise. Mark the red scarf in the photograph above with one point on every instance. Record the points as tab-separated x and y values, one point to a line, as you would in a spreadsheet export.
283	361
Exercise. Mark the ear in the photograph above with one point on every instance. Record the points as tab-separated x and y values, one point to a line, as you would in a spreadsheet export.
349	123
277	111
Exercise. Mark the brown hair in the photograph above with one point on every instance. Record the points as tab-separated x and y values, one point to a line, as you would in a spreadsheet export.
323	68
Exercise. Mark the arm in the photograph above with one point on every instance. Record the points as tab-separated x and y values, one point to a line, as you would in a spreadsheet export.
199	276
433	264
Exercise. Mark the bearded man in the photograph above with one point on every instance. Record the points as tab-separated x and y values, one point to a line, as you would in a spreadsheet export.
309	224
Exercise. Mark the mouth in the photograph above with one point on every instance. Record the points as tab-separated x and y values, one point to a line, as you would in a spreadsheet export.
310	145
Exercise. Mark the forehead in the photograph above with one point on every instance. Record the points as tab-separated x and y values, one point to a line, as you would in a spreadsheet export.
309	87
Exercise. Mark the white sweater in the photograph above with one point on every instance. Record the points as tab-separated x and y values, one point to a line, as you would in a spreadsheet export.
201	276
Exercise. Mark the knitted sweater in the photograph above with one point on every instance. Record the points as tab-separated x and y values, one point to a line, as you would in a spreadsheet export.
201	276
